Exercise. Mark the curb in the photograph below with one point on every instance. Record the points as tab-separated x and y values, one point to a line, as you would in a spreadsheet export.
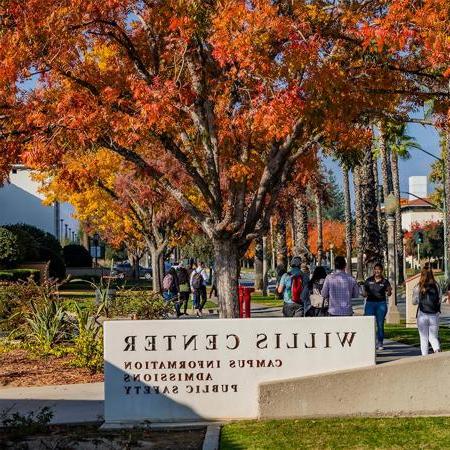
212	438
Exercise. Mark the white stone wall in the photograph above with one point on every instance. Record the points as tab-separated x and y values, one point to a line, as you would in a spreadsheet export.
410	217
20	202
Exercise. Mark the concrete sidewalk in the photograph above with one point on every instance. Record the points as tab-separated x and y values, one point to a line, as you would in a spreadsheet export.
72	403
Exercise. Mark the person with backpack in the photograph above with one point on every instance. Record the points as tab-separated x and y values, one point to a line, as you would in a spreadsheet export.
376	290
198	282
313	296
427	296
183	285
171	289
291	287
339	289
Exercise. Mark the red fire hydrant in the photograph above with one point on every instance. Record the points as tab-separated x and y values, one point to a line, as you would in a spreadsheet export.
244	294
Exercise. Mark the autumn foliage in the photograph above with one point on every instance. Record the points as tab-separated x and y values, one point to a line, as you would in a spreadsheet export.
215	103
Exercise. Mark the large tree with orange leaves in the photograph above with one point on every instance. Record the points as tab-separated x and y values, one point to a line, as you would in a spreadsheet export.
228	95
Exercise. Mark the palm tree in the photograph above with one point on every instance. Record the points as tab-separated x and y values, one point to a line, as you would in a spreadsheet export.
398	143
348	216
300	226
372	247
318	200
259	255
359	230
281	241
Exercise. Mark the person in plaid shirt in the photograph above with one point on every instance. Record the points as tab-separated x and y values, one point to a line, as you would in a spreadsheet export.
339	289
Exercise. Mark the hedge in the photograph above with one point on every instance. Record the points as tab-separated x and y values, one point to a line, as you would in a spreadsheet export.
76	256
19	274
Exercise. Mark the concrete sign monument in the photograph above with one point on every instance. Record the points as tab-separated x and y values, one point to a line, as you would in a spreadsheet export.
178	370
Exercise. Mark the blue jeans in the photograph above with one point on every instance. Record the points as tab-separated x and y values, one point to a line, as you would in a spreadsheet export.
379	310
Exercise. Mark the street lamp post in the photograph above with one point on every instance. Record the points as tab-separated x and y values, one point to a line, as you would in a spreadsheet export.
393	314
96	239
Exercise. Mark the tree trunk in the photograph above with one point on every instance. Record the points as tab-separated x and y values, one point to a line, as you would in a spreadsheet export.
398	218
378	199
282	258
319	226
259	255
348	218
227	272
386	172
300	228
372	247
136	261
359	230
447	193
156	269
265	276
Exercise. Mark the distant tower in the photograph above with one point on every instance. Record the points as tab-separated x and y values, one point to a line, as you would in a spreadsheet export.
418	186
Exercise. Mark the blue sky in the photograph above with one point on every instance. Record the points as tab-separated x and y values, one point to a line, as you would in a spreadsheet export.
418	164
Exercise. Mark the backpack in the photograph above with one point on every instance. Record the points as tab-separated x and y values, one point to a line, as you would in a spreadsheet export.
430	303
296	288
168	282
197	280
183	275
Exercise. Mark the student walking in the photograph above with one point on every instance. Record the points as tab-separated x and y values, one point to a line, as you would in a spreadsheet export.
293	287
171	289
318	305
184	286
339	289
198	282
427	296
376	290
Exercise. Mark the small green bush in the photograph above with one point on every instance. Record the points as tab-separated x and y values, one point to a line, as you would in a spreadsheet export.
27	246
6	276
142	305
9	254
76	256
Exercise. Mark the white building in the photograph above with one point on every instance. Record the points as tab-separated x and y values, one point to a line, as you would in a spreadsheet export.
418	208
20	202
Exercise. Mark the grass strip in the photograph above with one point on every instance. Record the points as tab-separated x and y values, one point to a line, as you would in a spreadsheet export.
323	434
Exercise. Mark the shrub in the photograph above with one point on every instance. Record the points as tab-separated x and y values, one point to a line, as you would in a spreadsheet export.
46	325
16	300
9	254
20	275
57	268
76	256
88	341
27	247
143	305
47	247
42	238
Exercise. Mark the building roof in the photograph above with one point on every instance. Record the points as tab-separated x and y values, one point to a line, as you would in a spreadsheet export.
416	203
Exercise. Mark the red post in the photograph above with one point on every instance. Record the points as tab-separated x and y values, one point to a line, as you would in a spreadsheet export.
241	301
245	301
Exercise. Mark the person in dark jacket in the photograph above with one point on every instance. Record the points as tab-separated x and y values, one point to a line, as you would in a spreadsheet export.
184	286
427	296
376	290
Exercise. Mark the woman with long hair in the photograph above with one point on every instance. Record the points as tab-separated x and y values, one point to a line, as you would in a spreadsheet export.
376	290
428	298
312	293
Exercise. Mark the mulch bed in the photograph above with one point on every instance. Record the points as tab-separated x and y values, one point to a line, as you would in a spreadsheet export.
89	437
20	368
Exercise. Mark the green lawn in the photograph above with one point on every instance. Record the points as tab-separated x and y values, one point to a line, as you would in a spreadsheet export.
410	336
360	433
266	300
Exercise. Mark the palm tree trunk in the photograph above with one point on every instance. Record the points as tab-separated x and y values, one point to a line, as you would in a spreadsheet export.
348	218
398	217
372	247
300	228
377	196
281	245
259	264
319	226
359	230
386	172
